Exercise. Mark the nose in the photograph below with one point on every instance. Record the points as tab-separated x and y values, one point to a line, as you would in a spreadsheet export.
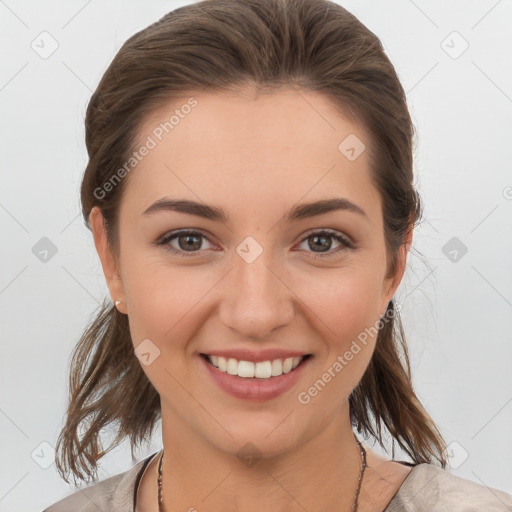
256	299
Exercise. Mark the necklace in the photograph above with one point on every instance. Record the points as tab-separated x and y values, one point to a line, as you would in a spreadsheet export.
354	505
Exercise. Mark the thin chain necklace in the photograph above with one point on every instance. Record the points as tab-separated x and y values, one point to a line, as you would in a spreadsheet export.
354	505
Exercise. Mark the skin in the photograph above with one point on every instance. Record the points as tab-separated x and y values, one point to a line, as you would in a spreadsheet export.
256	156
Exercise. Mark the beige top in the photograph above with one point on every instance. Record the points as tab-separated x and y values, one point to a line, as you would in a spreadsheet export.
426	488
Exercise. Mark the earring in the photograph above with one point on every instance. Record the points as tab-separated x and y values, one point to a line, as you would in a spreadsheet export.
117	303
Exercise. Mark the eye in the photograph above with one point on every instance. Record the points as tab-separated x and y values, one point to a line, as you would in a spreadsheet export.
190	242
187	241
320	239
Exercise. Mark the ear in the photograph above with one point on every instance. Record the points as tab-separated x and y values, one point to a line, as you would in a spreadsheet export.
108	261
391	283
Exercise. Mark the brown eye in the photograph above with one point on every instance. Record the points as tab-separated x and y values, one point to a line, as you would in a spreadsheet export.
320	242
187	242
191	242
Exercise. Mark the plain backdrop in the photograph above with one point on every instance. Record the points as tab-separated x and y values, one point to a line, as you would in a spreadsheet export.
454	62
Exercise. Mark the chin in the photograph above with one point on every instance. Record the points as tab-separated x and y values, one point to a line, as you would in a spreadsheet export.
269	437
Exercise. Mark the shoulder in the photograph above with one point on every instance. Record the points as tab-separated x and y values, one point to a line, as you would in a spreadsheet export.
113	494
429	488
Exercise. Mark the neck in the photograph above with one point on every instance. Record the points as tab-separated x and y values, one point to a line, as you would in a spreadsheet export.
320	473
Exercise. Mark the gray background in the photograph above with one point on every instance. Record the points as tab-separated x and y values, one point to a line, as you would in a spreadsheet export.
456	305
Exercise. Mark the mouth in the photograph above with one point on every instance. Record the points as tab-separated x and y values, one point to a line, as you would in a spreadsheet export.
255	381
261	370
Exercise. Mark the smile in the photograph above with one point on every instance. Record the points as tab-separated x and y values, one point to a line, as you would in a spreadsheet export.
241	378
259	370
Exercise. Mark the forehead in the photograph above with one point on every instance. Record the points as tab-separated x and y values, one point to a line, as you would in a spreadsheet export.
283	115
265	147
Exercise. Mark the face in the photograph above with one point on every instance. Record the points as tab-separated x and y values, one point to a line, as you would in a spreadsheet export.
260	282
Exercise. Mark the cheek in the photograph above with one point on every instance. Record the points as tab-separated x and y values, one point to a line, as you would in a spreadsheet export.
163	302
347	302
345	311
163	305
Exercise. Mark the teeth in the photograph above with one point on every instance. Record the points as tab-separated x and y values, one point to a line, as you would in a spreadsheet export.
246	369
232	367
277	367
287	365
260	370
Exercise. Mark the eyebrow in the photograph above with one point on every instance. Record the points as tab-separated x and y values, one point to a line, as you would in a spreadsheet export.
300	211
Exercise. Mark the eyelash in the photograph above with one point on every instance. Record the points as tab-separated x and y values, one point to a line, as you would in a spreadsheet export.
343	240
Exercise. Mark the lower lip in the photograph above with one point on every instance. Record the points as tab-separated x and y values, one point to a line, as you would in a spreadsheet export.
253	389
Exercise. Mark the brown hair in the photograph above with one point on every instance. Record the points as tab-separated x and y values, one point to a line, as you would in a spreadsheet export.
223	45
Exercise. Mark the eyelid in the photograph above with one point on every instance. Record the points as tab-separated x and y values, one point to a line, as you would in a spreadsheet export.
331	232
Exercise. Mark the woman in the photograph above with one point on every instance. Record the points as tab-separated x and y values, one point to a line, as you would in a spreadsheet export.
250	193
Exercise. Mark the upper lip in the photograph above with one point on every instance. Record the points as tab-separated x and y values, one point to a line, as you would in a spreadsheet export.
255	357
